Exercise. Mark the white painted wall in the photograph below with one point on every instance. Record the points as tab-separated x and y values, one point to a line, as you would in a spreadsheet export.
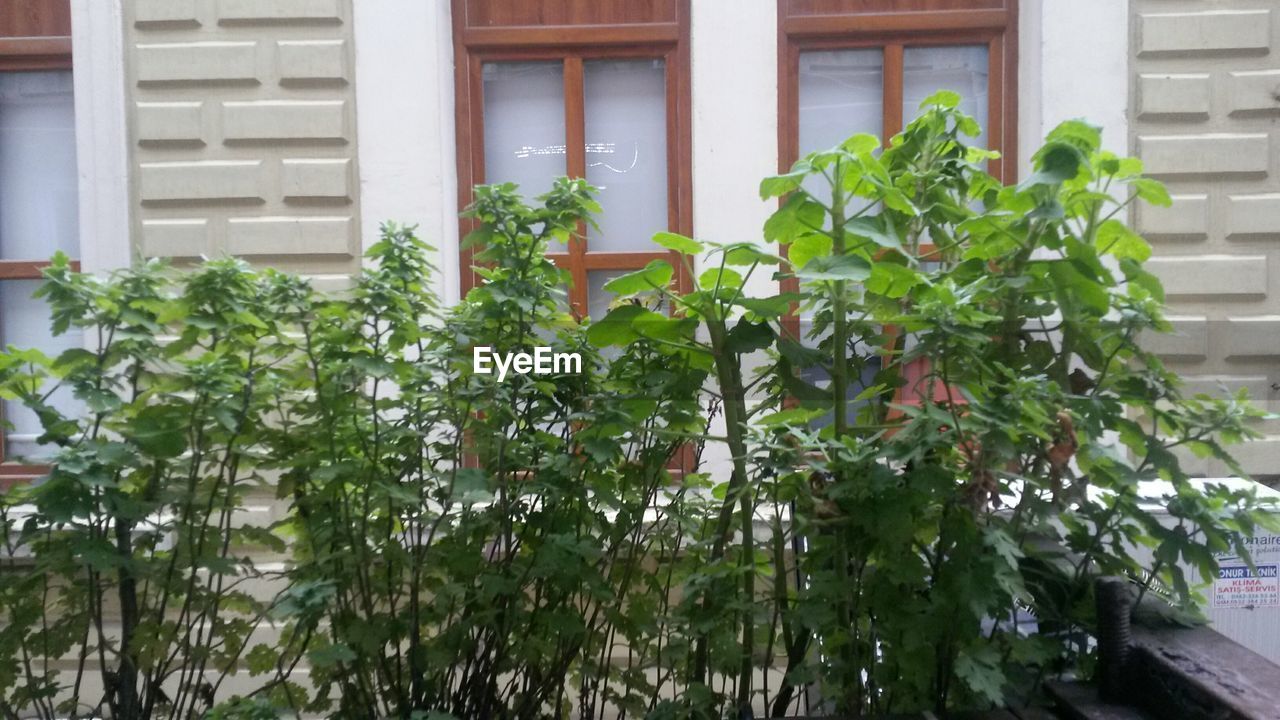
1073	63
735	120
735	137
102	140
404	125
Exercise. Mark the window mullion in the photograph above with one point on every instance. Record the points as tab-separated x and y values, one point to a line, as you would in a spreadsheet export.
893	84
576	167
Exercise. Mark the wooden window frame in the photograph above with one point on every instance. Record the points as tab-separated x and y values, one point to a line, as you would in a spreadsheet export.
893	32
43	45
575	44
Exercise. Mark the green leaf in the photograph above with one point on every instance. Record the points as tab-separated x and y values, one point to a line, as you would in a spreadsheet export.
161	431
794	417
331	655
869	229
1079	134
807	247
726	278
1115	238
842	267
1055	164
892	280
679	243
1153	191
614	328
657	274
740	254
746	337
779	185
860	144
797	217
979	668
261	659
944	98
771	307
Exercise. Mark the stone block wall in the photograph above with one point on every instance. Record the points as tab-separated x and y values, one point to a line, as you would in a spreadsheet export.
1205	118
242	132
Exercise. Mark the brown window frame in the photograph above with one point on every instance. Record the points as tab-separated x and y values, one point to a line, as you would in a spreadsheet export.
853	24
35	35
606	30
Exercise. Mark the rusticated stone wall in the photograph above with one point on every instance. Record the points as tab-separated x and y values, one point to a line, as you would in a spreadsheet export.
1205	118
242	132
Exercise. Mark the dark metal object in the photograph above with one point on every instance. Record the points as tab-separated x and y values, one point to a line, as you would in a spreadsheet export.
1114	603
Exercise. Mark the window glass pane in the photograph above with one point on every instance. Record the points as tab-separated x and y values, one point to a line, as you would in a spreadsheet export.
524	131
38	213
961	69
598	299
25	323
626	150
38	216
841	94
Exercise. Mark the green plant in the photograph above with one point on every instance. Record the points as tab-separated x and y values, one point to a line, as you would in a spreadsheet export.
931	509
464	545
480	541
131	559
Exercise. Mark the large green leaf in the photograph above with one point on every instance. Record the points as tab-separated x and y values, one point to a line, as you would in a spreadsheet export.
679	243
798	216
657	274
779	185
840	267
1115	238
161	430
807	247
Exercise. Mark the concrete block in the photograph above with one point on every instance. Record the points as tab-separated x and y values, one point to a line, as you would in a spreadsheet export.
1253	336
329	178
1211	274
1256	457
1169	94
331	283
1253	214
1255	91
284	120
289	236
197	62
1207	154
1187	217
170	122
201	180
312	59
1258	386
1215	31
164	11
279	10
175	238
1189	340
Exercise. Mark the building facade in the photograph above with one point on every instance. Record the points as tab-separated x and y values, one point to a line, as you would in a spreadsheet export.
285	131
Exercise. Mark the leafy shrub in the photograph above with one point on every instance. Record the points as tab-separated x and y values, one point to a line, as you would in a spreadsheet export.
479	538
132	558
981	342
460	546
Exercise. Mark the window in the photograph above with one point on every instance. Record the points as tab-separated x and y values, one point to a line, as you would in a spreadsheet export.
38	196
864	66
598	90
849	66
